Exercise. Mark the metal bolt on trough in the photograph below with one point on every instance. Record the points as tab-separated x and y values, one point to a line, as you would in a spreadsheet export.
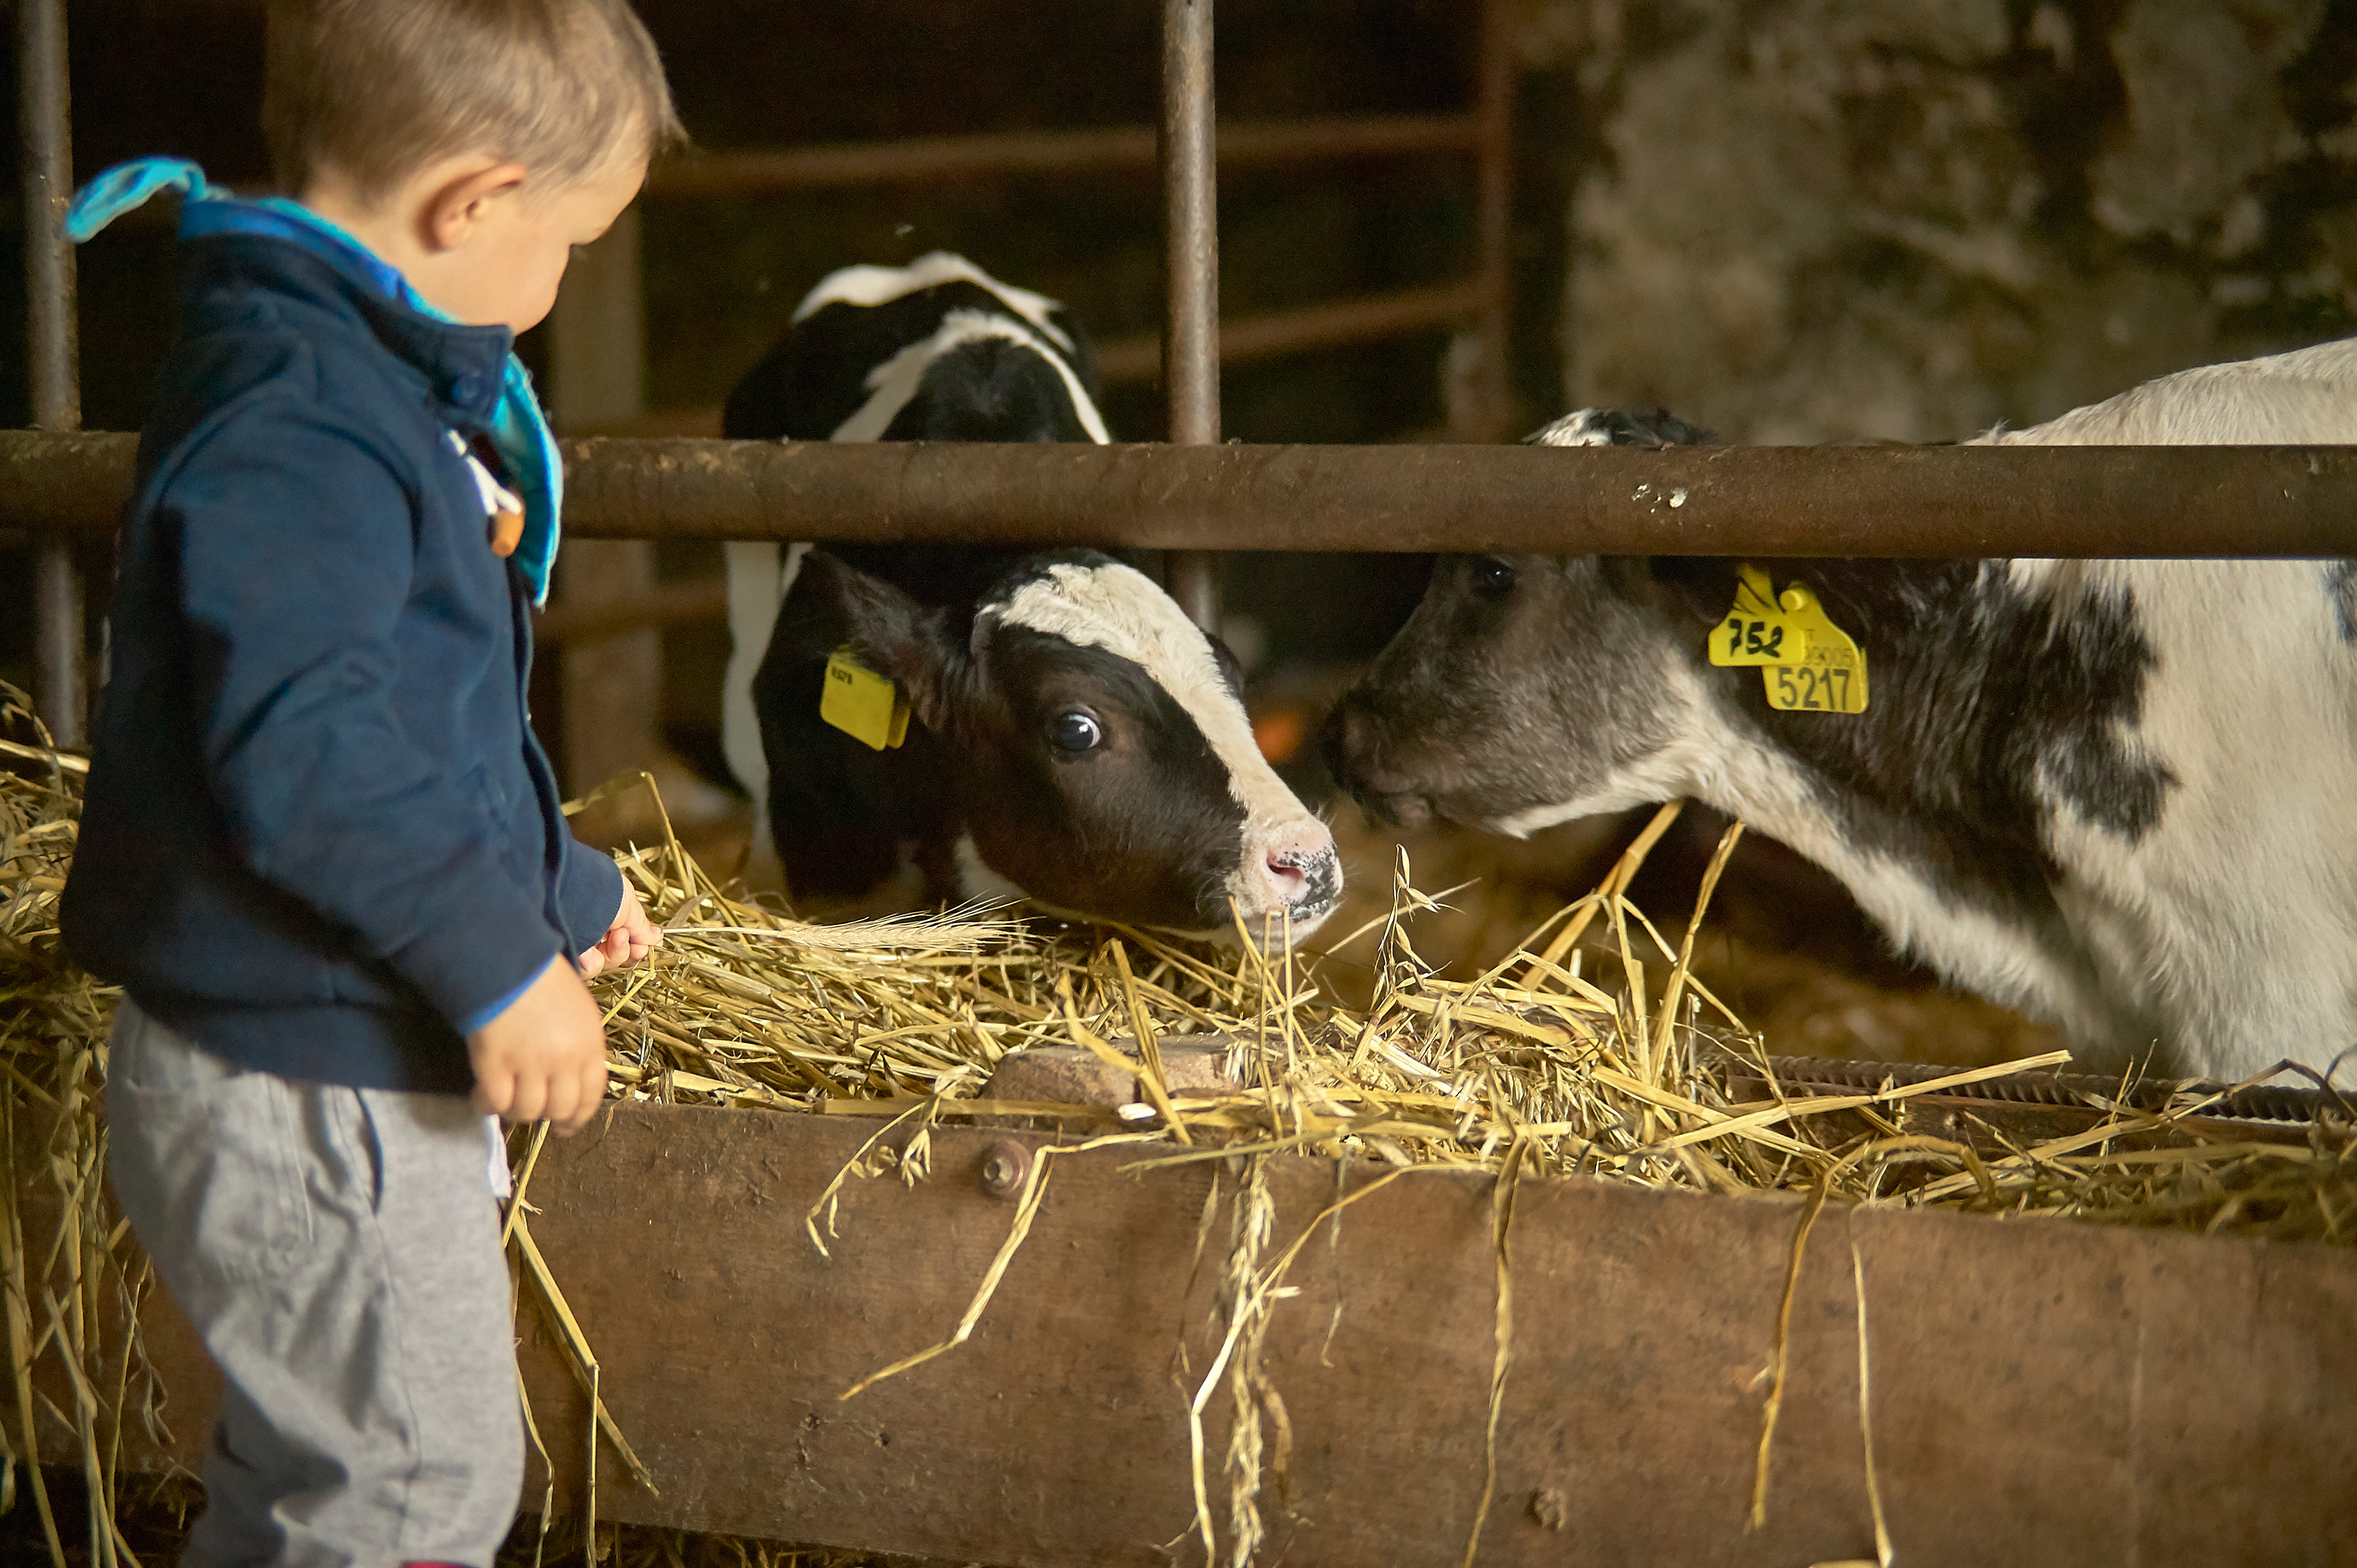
1006	1168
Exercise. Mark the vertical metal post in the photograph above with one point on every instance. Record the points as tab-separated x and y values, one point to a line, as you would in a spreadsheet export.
45	107
1190	333
1493	410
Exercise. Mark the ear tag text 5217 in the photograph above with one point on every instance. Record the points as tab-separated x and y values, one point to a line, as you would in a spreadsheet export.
863	704
1807	663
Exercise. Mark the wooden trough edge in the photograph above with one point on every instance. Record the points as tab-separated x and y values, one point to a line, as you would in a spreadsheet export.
2071	1393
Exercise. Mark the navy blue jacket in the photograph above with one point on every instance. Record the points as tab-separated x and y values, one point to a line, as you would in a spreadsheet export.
320	836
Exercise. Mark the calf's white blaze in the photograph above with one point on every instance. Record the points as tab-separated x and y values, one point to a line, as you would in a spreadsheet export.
1120	611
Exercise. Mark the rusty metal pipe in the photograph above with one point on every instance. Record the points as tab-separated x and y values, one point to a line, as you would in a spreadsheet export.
1190	331
44	109
928	159
1922	502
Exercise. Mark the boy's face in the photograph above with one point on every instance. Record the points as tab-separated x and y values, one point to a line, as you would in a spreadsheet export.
511	264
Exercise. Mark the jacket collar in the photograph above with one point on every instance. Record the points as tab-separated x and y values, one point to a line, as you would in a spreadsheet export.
462	365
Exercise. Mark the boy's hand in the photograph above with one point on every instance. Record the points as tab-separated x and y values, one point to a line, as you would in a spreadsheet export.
544	1057
630	938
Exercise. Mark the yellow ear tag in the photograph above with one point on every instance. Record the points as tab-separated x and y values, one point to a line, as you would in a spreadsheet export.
1757	630
863	704
1807	663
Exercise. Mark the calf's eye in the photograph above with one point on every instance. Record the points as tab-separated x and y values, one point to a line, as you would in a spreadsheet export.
1492	577
1076	732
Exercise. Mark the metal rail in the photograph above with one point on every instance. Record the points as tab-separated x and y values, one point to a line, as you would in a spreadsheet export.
1109	149
45	118
1920	501
1191	327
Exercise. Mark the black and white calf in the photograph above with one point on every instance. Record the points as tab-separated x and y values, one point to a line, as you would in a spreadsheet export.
1075	740
2121	795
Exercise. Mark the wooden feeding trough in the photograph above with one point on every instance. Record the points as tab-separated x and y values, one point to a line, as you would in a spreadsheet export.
2043	1391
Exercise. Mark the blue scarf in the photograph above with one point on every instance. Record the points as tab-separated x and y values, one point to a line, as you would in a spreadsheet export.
519	429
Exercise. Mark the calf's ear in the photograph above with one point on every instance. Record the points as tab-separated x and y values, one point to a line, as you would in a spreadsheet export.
1232	668
1689	589
885	629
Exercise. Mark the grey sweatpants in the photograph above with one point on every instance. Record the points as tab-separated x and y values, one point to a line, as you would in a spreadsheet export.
339	1251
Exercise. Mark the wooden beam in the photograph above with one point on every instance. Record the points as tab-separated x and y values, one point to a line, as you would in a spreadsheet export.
2043	1390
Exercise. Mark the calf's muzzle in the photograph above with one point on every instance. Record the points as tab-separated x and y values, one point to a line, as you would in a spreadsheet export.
1354	747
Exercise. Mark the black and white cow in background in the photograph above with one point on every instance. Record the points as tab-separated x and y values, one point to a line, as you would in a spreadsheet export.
1076	740
2121	795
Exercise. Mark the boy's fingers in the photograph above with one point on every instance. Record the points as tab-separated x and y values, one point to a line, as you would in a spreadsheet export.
530	1101
494	1094
592	1089
564	1100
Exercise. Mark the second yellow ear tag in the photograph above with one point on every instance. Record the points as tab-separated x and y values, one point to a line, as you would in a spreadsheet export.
1807	663
863	704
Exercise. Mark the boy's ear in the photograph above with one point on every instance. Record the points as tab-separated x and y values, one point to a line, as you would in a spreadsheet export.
886	630
463	203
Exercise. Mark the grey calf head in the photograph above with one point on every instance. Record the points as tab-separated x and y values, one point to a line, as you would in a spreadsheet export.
1521	683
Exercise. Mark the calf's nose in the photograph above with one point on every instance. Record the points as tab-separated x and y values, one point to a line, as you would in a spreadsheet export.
1298	874
1351	743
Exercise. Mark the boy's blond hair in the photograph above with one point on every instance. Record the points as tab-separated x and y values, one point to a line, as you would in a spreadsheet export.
376	90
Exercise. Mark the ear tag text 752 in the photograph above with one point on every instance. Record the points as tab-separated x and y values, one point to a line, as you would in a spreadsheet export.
1807	663
863	704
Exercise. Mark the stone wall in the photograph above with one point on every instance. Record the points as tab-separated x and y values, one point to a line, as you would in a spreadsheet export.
1824	219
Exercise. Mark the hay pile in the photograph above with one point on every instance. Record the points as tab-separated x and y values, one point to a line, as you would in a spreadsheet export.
81	1295
1591	1049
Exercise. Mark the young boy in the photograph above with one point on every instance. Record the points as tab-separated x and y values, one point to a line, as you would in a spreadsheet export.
322	851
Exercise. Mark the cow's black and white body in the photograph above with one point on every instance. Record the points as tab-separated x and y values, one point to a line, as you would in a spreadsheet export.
2121	795
1076	740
